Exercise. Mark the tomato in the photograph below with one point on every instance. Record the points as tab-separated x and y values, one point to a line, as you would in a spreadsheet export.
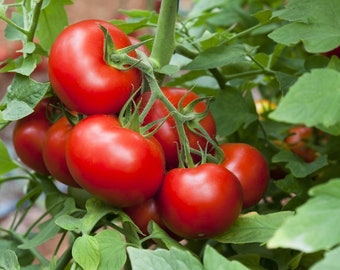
79	75
167	134
116	164
297	142
250	167
200	202
335	51
141	214
54	147
28	136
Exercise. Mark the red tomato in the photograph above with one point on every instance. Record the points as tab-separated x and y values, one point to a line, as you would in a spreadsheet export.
141	214
200	202
79	75
167	134
53	151
335	52
297	142
251	169
116	164
28	136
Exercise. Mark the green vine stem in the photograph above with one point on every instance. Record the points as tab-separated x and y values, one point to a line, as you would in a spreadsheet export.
164	43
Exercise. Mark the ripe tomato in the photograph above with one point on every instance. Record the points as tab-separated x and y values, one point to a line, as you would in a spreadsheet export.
200	202
251	169
53	151
167	134
297	142
116	164
28	136
79	75
141	214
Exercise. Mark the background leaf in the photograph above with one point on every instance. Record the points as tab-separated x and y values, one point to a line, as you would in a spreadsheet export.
317	26
313	100
8	260
315	225
6	162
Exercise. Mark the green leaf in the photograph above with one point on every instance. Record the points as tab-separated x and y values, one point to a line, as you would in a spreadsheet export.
161	237
85	252
22	96
216	57
112	250
317	26
173	259
297	166
9	261
315	226
49	229
212	260
330	260
230	110
6	163
52	20
252	228
313	100
96	209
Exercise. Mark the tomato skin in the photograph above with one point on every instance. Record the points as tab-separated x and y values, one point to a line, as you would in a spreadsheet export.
28	136
250	167
141	214
167	135
200	202
54	147
113	163
297	142
81	78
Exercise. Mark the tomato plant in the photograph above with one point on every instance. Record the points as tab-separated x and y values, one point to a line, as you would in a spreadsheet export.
80	47
114	163
167	133
174	135
211	207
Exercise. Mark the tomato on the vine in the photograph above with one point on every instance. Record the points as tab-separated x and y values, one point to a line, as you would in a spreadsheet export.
298	142
81	77
167	134
250	167
200	202
116	164
141	214
28	136
53	151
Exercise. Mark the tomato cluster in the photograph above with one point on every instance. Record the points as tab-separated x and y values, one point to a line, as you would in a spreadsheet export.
142	173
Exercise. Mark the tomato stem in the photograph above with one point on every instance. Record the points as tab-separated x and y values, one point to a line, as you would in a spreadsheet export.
164	44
